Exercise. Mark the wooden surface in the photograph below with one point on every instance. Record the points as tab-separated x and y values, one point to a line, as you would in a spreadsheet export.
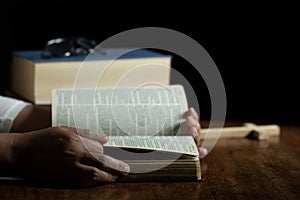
234	169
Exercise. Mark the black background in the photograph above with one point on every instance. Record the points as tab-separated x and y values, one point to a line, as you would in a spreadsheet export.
252	43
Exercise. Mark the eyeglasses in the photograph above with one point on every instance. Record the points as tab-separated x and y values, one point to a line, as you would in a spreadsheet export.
64	47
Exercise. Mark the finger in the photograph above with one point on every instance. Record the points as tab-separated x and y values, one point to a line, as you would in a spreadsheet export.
202	152
92	175
191	122
191	112
91	146
187	125
106	163
195	134
91	135
192	127
198	130
192	131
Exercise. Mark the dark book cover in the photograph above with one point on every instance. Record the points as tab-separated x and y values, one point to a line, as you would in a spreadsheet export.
109	53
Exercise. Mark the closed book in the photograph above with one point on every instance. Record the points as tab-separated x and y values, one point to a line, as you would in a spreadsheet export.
33	77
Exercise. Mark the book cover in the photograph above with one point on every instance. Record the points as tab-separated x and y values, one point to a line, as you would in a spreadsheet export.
34	77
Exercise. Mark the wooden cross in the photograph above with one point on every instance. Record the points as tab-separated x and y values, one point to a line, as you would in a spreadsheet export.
248	130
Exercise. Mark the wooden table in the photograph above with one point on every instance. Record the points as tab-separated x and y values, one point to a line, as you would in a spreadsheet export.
234	169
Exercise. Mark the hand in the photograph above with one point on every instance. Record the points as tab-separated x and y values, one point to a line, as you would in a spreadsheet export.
65	156
192	127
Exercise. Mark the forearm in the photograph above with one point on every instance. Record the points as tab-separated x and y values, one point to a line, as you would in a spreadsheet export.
7	141
32	118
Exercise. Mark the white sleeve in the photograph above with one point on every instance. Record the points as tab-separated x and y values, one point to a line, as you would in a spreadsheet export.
9	110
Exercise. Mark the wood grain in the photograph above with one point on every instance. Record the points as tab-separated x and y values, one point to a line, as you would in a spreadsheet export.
234	169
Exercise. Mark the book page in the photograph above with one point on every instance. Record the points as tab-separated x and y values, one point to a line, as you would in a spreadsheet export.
121	111
176	144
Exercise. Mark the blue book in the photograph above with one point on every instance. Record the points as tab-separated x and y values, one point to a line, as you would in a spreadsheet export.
112	53
33	77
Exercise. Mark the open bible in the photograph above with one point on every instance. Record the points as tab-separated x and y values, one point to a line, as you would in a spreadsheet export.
144	125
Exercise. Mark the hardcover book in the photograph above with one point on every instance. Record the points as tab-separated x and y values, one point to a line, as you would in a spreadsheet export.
144	126
34	77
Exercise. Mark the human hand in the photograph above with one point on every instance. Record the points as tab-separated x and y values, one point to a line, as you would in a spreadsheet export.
65	156
191	126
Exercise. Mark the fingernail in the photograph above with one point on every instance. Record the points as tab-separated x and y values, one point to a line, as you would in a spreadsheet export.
114	178
126	168
194	132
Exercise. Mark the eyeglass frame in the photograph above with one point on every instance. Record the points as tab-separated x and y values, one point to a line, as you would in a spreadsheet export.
77	46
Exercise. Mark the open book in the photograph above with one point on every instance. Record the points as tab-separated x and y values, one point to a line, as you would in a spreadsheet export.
144	125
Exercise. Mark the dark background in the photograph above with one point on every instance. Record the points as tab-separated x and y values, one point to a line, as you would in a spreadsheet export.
252	43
